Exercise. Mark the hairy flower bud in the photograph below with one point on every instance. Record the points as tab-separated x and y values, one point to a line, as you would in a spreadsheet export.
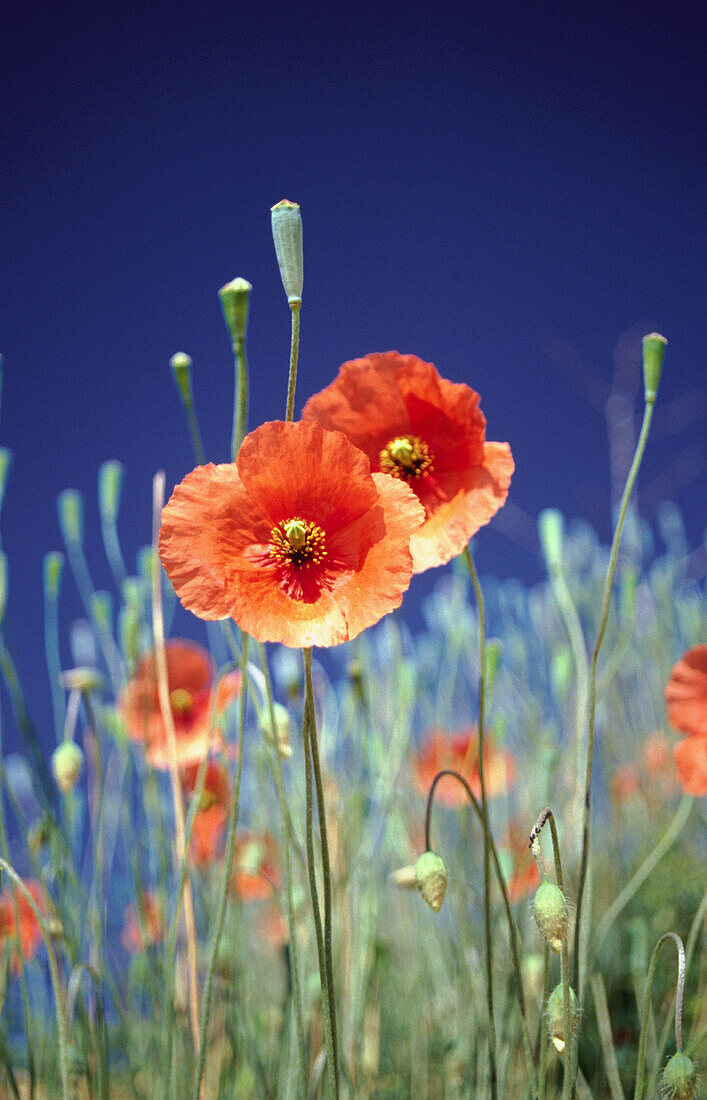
556	1016
431	875
551	914
67	762
680	1079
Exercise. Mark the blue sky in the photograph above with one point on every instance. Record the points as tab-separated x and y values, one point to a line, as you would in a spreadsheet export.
511	192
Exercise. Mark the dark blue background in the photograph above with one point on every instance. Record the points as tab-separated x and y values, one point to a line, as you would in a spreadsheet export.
503	189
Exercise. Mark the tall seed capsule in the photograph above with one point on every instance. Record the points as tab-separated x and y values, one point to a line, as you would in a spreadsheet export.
431	875
551	914
286	222
654	346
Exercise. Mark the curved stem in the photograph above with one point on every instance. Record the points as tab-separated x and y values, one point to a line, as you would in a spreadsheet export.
487	829
641	1061
509	916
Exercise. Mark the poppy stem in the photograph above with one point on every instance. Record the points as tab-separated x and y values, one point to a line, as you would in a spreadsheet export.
240	404
509	916
639	1092
577	976
324	951
168	719
294	353
485	819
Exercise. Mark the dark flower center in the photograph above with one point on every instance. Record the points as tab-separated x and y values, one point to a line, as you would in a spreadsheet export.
406	457
298	542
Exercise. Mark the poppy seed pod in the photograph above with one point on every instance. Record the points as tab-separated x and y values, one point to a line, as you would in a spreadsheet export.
551	914
235	297
286	223
556	1016
67	762
654	346
680	1079
431	875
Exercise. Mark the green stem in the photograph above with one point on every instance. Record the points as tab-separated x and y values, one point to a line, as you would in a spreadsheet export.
56	985
542	1069
240	402
639	1092
327	991
487	829
294	352
607	1044
287	826
584	858
509	916
225	882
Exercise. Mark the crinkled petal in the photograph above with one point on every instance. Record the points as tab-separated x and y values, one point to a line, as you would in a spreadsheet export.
686	692
690	756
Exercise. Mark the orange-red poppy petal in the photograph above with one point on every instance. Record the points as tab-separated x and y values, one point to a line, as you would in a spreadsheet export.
690	756
686	692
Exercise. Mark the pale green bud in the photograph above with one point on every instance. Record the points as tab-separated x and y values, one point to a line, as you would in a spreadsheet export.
70	505
680	1079
287	234
283	729
5	463
3	585
556	1016
53	569
654	346
67	762
82	679
235	298
110	480
181	369
431	875
551	914
551	528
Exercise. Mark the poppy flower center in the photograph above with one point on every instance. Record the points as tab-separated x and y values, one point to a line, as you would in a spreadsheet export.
181	700
406	457
297	541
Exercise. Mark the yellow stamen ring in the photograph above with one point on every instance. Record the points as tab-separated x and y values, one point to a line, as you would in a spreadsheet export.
406	457
297	541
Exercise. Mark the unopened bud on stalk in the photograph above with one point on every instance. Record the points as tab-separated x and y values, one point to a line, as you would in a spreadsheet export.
3	585
551	528
82	679
5	462
67	762
556	1016
431	875
181	369
110	480
235	297
287	234
680	1079
70	504
53	570
654	346
551	914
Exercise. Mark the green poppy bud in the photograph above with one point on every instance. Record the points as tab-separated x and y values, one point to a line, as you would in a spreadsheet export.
654	346
556	1016
680	1079
235	297
431	875
287	235
551	914
67	762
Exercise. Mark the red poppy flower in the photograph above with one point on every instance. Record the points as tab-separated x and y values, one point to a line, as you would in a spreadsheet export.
30	934
442	750
296	540
211	817
686	693
272	926
190	674
137	935
686	699
428	433
656	756
255	867
625	783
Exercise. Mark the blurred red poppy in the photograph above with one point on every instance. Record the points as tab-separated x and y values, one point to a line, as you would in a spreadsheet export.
148	931
211	817
686	700
256	872
442	751
428	433
30	934
190	674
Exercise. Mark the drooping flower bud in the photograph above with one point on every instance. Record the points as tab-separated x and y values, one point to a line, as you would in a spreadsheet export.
551	914
235	298
431	875
287	234
556	1016
680	1079
67	762
654	346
